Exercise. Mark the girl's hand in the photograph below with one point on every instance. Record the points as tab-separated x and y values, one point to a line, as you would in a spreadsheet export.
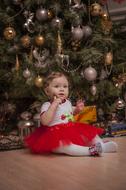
57	100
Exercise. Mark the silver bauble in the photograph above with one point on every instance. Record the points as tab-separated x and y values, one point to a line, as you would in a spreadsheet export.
26	73
77	33
25	123
120	104
42	14
56	23
87	31
90	73
93	90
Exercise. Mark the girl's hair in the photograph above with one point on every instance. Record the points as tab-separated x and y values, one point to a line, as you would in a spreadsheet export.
52	76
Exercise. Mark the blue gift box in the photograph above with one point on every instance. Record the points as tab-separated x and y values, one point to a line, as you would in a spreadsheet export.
117	129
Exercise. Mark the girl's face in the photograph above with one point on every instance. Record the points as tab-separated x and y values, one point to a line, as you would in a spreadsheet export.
58	87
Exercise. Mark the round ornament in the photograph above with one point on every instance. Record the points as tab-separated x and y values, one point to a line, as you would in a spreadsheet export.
95	9
87	31
39	40
9	33
108	58
56	23
39	81
50	14
90	73
25	41
42	14
26	73
77	33
25	123
104	16
93	90
120	104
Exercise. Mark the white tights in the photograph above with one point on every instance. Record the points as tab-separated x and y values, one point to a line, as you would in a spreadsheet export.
77	150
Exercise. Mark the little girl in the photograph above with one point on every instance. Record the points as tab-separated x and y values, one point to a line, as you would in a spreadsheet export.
58	132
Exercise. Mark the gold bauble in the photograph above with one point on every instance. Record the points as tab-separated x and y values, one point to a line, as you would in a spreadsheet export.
108	58
104	16
39	81
39	40
50	14
9	33
95	9
25	41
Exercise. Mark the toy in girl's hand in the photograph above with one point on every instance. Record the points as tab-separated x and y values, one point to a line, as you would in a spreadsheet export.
57	100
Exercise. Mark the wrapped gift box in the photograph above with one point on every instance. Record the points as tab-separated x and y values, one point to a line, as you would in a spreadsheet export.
87	115
117	129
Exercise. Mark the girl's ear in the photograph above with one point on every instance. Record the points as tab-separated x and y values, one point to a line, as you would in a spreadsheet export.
46	91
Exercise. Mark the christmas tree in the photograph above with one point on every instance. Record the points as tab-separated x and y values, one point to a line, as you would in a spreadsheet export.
73	36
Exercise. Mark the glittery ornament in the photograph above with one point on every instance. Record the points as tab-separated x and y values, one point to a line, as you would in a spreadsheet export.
39	81
9	33
90	73
39	40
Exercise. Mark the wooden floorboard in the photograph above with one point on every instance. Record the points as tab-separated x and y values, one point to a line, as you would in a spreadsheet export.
19	170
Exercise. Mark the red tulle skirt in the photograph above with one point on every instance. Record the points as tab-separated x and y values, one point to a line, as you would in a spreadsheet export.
45	139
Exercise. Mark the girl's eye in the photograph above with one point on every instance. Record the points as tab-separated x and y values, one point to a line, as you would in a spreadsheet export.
65	86
56	86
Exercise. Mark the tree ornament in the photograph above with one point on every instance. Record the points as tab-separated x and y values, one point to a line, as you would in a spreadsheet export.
56	23
87	31
9	33
17	63
77	5
104	16
42	14
25	41
109	58
90	73
59	44
39	81
93	90
29	24
77	33
39	40
95	9
75	45
26	73
50	14
120	104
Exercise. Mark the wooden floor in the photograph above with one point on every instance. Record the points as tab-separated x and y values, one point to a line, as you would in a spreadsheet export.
19	170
